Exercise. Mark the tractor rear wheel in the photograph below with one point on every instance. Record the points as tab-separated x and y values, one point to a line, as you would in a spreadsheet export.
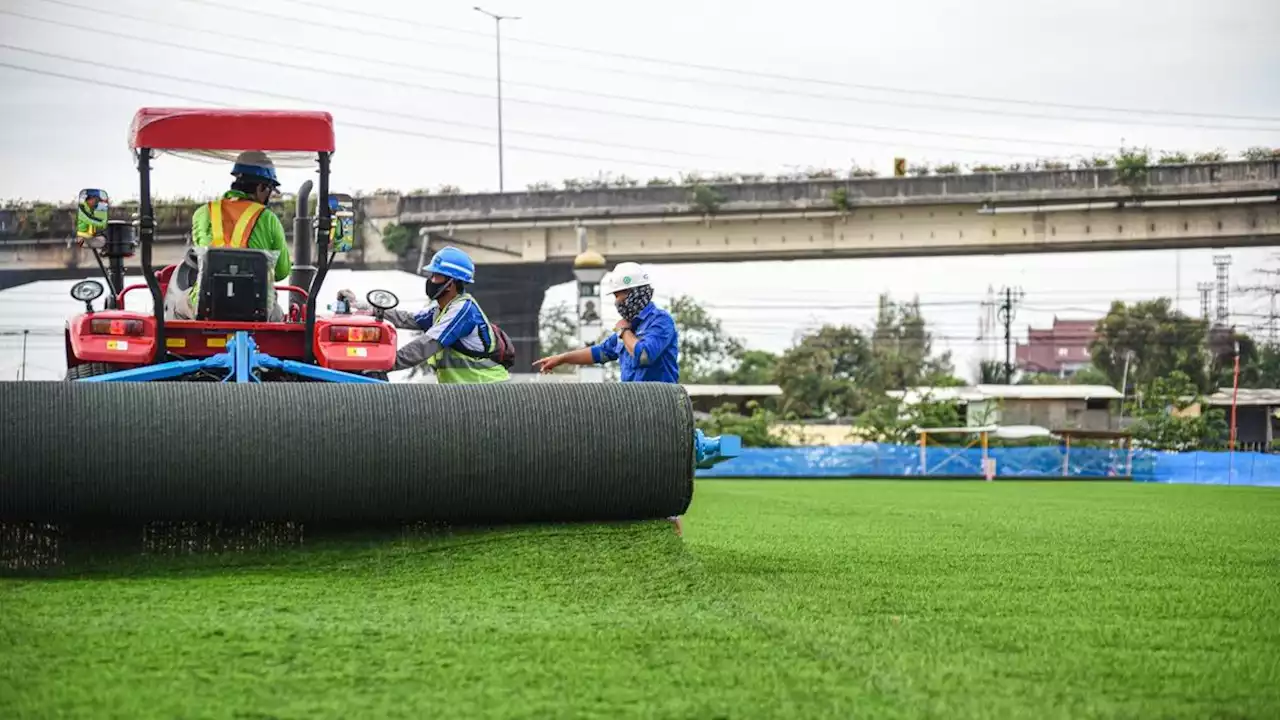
85	370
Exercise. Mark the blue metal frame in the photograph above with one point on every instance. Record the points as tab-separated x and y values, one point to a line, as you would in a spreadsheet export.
711	451
239	361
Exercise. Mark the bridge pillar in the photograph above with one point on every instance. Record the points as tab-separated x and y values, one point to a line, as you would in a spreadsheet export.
512	296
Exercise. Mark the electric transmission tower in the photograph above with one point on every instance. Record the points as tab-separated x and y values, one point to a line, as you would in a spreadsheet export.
1271	290
1204	288
1222	309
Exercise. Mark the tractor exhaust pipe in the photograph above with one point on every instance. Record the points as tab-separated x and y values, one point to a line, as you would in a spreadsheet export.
304	269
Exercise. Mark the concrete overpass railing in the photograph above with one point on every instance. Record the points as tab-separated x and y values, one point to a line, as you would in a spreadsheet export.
1164	182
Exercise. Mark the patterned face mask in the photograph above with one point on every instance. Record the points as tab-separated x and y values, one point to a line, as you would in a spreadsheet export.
634	302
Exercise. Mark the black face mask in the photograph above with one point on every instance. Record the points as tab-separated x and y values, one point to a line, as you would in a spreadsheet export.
434	289
635	300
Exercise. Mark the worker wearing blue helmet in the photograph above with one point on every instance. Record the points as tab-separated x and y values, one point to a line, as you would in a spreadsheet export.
457	340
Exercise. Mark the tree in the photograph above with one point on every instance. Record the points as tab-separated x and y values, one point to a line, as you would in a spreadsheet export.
818	374
397	239
990	372
755	367
1263	370
1162	340
558	332
1222	354
1159	421
705	348
1087	375
891	420
902	349
757	430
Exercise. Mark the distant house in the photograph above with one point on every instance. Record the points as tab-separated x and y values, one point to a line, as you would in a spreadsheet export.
1061	350
1078	407
1257	416
706	398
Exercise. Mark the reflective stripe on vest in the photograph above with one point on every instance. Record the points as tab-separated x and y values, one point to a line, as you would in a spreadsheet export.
241	215
453	367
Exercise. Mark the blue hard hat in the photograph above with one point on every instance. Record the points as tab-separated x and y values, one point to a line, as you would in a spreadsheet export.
257	165
452	263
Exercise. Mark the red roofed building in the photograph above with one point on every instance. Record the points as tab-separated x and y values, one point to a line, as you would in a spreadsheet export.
1061	350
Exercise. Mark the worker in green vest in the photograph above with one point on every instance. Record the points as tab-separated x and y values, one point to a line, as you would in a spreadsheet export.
91	215
240	219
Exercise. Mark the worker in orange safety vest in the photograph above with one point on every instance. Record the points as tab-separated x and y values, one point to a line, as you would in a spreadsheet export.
241	219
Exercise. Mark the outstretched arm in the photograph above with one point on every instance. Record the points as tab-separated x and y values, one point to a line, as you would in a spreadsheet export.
596	354
451	328
416	352
402	319
581	356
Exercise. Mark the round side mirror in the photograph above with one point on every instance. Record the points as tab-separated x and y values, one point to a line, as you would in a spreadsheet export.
382	299
86	291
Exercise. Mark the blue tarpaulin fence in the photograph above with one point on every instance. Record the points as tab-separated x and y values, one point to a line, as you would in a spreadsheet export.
885	461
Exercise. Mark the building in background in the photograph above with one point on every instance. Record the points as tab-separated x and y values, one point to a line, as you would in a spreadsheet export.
1052	407
1257	416
1061	350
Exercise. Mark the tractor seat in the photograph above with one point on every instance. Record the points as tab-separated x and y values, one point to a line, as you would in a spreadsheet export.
182	275
235	285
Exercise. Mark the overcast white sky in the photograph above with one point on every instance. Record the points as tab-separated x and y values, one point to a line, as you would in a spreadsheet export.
423	71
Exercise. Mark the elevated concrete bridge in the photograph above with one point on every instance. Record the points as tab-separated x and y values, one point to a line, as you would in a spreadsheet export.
1209	205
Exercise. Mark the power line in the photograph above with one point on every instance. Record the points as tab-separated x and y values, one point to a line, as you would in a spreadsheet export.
614	113
362	126
356	108
949	108
610	96
789	78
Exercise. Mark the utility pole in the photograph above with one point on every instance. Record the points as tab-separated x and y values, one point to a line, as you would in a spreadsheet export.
1011	298
1124	386
25	333
497	27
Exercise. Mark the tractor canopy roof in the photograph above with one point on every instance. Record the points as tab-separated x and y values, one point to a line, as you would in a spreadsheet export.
290	137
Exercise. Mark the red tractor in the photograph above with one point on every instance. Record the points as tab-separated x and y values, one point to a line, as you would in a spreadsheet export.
238	333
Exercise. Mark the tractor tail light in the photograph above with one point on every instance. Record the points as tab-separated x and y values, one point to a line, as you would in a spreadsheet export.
347	333
105	326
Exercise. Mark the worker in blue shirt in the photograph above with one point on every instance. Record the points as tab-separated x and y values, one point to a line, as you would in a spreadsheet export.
646	343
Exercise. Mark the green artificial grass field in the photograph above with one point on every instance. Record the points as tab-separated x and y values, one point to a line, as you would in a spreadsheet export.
784	599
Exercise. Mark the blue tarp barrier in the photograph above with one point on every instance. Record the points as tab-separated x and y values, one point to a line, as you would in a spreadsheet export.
885	460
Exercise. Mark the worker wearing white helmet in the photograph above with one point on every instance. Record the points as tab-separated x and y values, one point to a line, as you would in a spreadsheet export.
645	344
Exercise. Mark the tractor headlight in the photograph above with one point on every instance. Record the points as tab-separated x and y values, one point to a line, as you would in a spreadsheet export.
87	290
382	299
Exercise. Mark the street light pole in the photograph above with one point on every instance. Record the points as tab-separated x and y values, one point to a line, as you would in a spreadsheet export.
497	25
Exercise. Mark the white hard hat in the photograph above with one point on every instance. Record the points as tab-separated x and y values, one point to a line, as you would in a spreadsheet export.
625	276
